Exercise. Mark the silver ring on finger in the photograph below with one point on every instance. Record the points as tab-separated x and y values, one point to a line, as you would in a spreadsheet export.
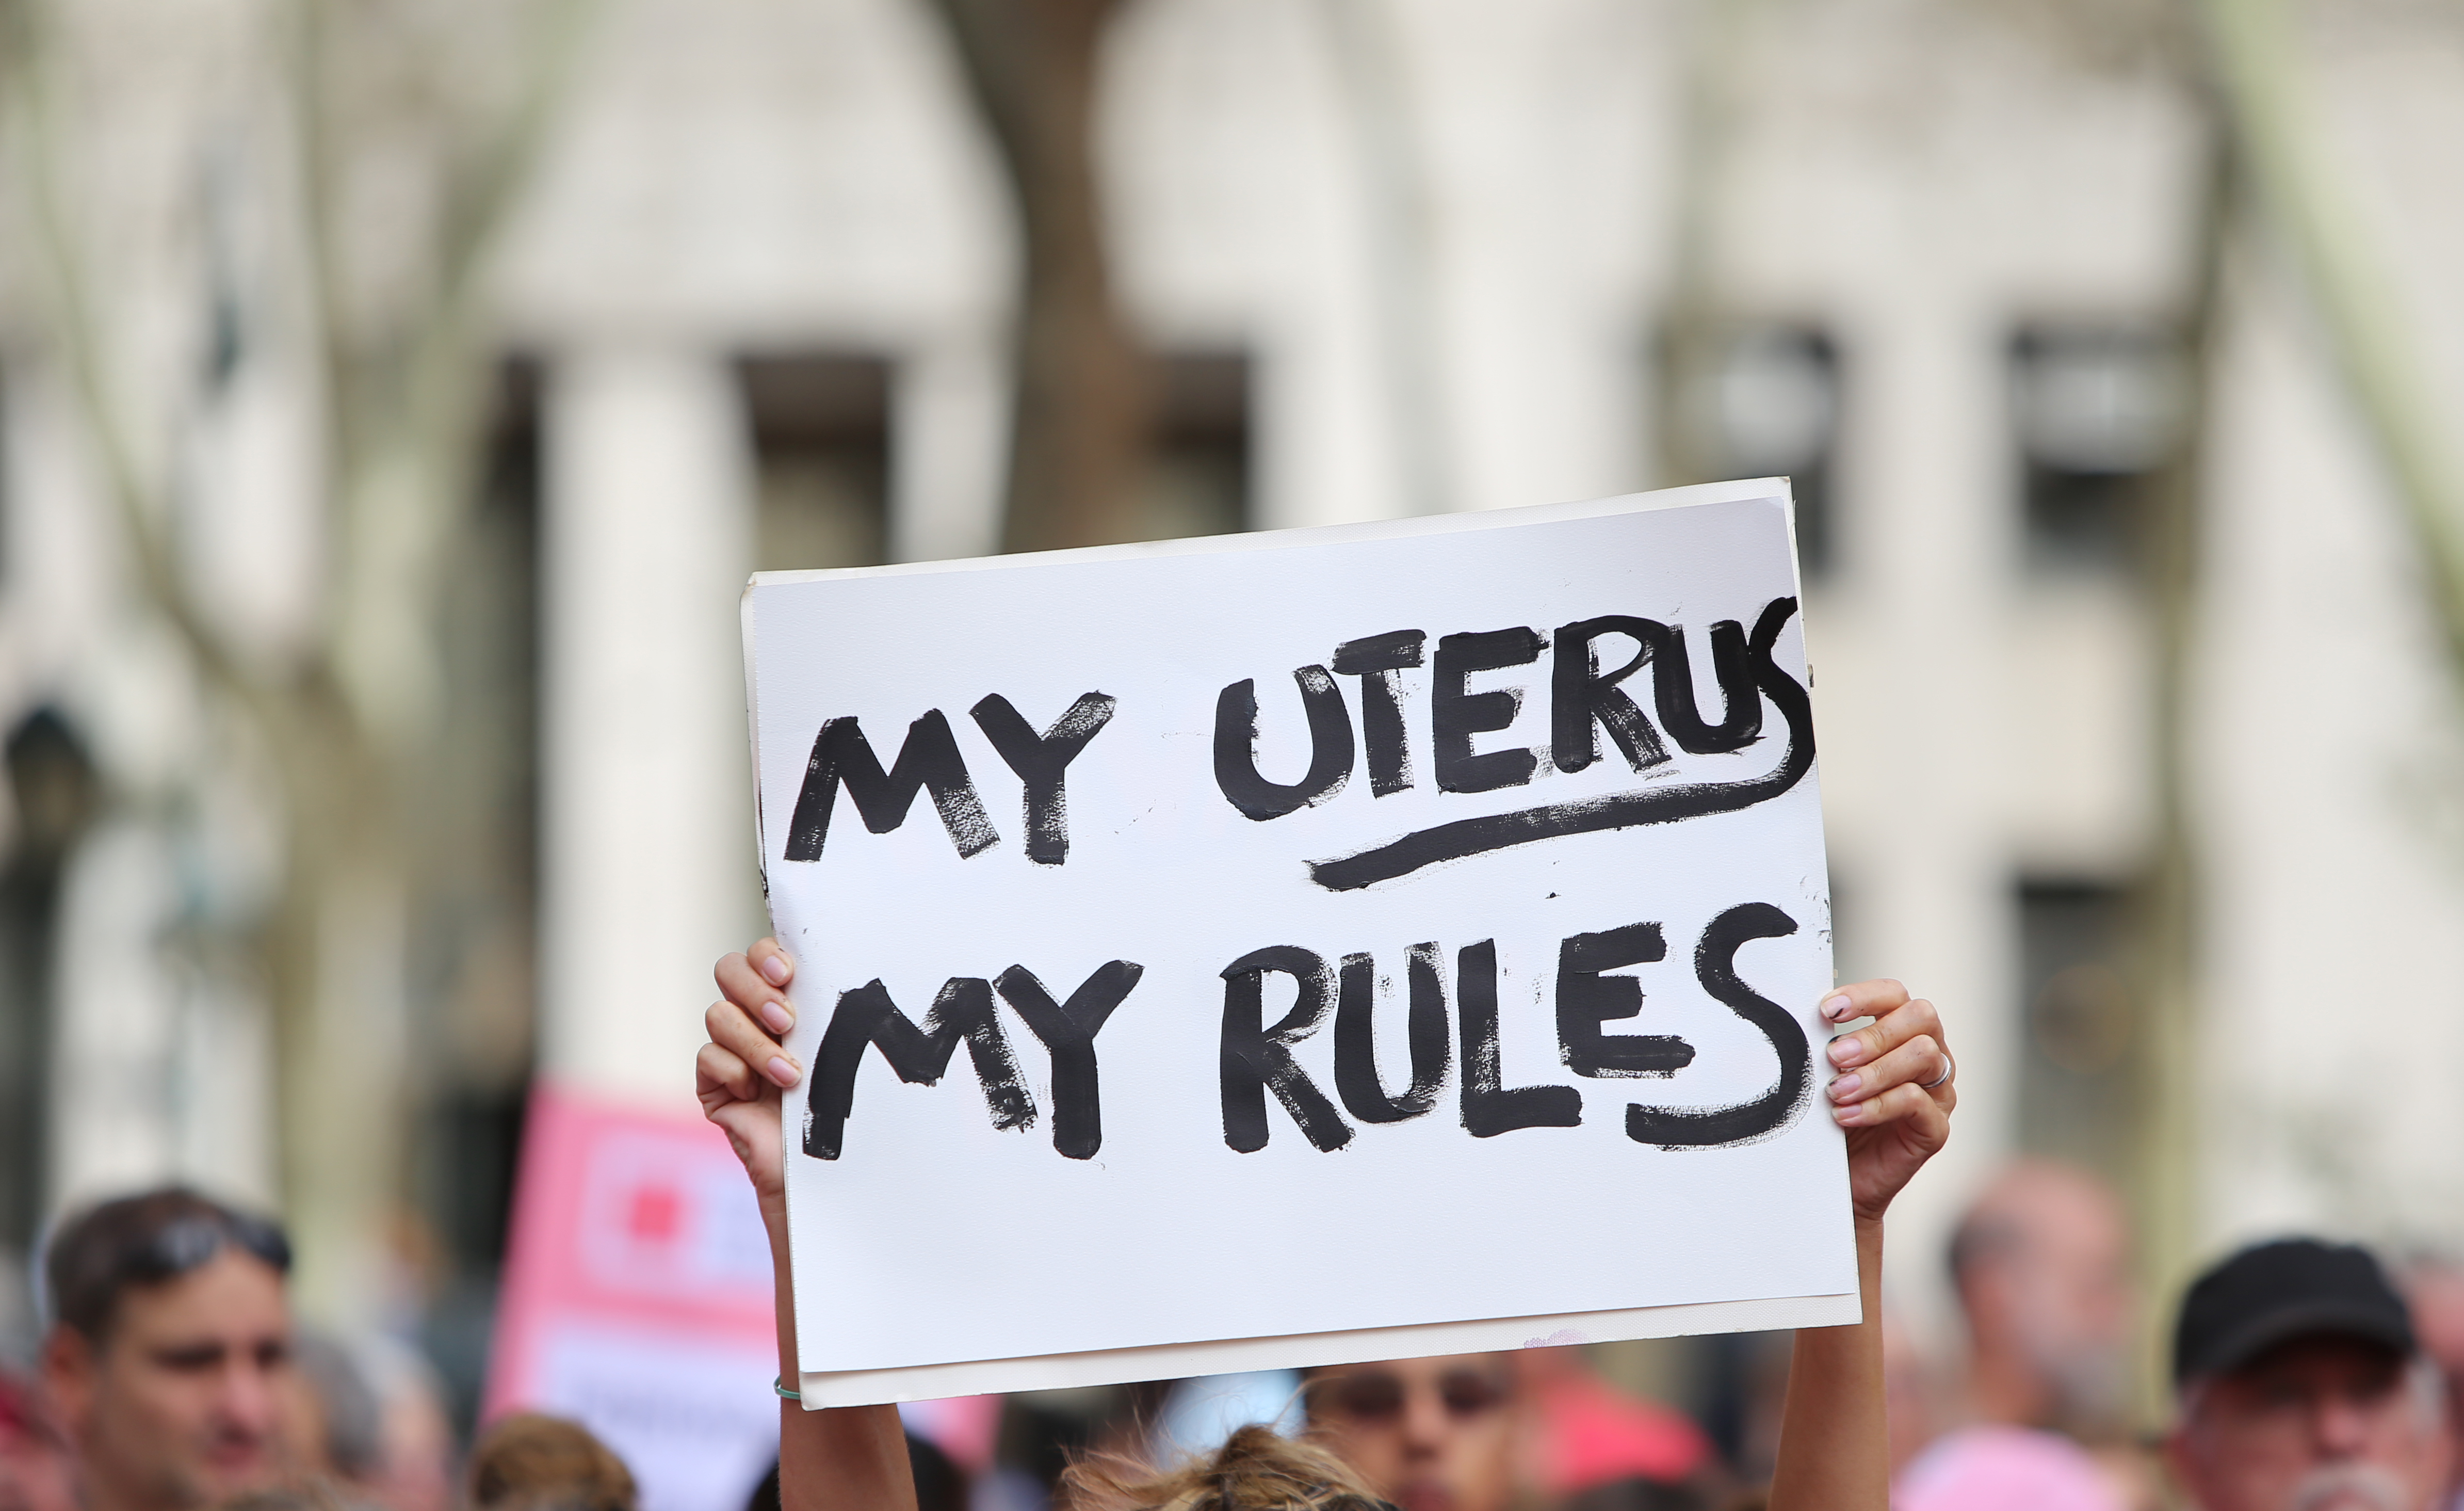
1948	1065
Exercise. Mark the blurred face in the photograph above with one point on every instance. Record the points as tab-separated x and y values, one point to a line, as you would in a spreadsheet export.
1431	1435
2076	1317
2321	1423
2081	1279
2063	1302
184	1401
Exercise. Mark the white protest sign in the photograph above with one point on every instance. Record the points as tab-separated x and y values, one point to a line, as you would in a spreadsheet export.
1331	943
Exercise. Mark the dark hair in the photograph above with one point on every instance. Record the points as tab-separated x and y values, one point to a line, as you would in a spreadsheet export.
144	1239
1981	1237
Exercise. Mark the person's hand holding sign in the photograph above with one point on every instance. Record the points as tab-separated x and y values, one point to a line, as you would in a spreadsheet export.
1892	1092
741	1071
855	1457
1479	832
1892	1088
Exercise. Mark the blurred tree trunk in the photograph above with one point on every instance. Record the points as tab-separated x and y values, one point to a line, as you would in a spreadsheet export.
383	94
2269	164
1079	435
2270	108
2163	950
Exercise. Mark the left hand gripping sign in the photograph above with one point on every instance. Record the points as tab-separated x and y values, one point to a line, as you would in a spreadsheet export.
1358	939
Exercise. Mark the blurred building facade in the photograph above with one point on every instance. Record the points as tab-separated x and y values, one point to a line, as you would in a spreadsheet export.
1939	262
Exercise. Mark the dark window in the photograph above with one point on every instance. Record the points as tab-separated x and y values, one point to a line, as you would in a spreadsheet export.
1778	403
2096	410
1198	471
2076	1099
821	448
1764	401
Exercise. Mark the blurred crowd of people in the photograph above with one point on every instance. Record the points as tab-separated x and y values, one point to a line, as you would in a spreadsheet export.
2304	1376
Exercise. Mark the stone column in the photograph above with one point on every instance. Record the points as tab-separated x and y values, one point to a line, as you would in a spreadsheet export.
647	866
1911	653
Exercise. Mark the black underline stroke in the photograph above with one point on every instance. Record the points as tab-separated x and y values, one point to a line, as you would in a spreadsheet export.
1667	805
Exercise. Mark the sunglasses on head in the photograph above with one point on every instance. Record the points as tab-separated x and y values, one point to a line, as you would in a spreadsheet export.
188	1241
1376	1397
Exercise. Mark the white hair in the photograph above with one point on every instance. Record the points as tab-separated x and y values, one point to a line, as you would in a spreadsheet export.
2350	1487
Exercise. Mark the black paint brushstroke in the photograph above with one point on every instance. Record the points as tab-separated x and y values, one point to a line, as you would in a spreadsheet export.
1579	695
1375	659
1041	763
929	759
1456	714
1256	1058
1490	1107
1355	1039
1668	804
1733	666
1236	747
1586	999
1069	1030
865	1015
1715	965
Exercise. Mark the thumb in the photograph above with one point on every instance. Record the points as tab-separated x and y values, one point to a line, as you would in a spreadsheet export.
753	1130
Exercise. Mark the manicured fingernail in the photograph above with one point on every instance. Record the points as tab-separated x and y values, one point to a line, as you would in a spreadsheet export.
1845	1087
784	1074
1846	1117
1835	1009
777	1015
775	967
1846	1052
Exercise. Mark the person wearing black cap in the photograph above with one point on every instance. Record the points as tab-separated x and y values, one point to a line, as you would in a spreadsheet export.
2302	1388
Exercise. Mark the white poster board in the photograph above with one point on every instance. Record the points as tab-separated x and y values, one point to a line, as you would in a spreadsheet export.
1324	945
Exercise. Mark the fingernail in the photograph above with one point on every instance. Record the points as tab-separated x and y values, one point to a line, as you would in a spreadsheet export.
775	967
1846	1052
777	1015
1846	1117
1845	1087
1835	1009
784	1074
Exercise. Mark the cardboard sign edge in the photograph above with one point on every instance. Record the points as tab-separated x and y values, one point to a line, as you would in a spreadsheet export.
823	1389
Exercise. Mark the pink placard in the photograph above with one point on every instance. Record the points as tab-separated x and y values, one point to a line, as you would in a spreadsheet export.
637	1298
